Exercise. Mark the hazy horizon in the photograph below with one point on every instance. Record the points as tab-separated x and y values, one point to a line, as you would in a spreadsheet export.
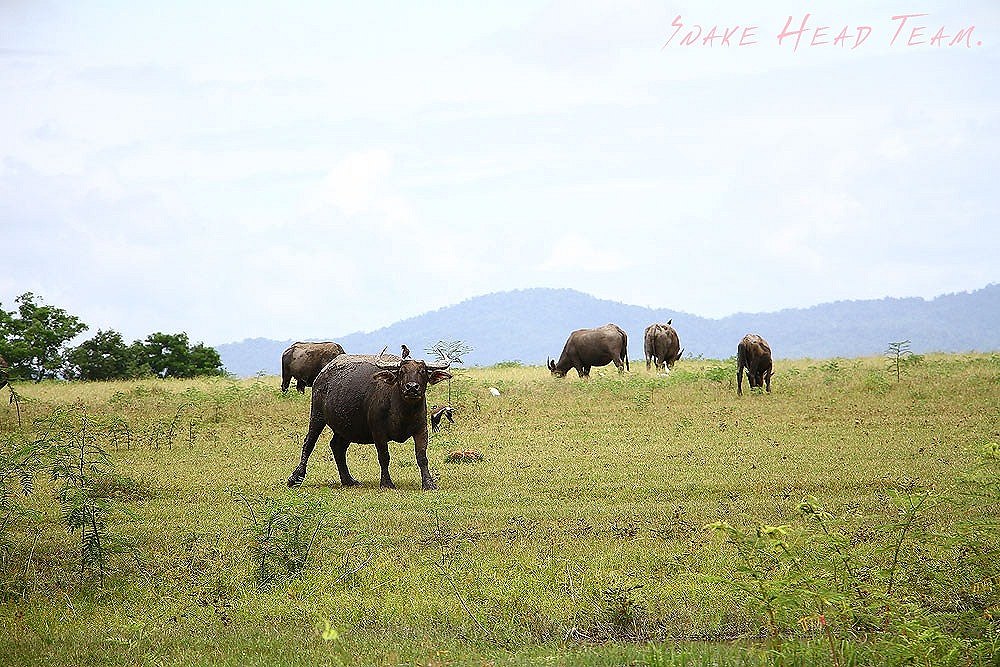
321	335
269	171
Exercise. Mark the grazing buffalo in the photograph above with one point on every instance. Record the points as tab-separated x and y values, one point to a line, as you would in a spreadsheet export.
662	346
753	354
304	361
371	399
592	347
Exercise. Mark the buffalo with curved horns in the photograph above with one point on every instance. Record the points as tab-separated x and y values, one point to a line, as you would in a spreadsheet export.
754	354
304	361
662	346
592	347
371	399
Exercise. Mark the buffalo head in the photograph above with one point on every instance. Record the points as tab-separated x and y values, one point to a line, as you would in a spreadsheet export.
759	378
551	363
411	376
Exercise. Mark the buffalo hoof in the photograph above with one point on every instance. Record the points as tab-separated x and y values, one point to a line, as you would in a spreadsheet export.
430	486
350	482
388	485
295	481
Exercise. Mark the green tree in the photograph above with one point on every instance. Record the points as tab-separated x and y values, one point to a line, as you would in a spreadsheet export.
172	355
897	354
206	360
33	339
103	357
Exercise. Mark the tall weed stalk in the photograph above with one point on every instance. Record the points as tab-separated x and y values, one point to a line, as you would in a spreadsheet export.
808	578
281	539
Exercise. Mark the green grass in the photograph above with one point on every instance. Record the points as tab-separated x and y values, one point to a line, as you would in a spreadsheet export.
578	539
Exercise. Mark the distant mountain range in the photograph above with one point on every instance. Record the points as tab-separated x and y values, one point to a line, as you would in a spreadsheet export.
528	325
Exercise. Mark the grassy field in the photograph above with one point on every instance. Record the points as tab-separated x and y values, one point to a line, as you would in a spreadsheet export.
622	520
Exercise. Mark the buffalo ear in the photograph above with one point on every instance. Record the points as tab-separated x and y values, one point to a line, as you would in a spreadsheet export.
385	376
437	375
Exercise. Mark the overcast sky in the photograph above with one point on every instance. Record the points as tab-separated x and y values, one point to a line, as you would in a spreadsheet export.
306	170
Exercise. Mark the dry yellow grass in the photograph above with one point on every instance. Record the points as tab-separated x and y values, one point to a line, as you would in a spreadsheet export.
582	523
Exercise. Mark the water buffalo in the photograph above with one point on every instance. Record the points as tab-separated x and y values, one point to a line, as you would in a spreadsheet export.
371	399
4	374
592	347
662	346
304	361
754	354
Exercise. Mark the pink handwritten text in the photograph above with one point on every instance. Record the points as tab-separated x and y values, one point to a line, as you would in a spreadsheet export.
821	34
915	33
904	30
723	35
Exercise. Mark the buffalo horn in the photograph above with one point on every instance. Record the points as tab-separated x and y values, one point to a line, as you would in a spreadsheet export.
437	365
386	365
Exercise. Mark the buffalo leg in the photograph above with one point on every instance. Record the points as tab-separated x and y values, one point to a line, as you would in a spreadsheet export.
316	425
285	381
339	446
382	446
767	379
300	386
739	379
420	449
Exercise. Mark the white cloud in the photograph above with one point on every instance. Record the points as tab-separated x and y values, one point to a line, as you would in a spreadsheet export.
894	148
396	161
573	253
353	184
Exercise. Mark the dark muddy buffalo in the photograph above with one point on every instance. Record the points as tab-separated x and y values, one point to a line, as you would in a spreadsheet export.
754	354
304	361
371	399
661	345
592	347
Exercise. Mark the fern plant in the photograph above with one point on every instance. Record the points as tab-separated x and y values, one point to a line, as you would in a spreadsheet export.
83	470
20	461
78	463
897	354
281	539
66	447
810	580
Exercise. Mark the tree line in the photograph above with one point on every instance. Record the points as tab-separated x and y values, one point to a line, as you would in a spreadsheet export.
35	337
